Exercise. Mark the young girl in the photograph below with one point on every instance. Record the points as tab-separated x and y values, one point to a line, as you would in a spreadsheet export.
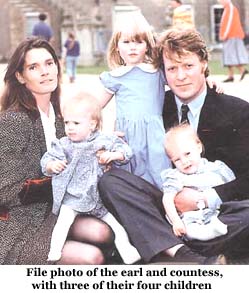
73	163
139	88
184	148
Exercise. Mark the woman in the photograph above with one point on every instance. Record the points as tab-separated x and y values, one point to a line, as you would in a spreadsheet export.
30	118
231	33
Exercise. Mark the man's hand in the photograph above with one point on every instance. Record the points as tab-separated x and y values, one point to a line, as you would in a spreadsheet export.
186	200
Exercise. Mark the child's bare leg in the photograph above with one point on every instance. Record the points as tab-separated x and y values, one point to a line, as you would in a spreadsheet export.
127	251
60	232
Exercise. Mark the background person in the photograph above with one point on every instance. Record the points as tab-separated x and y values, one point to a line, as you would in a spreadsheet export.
71	56
183	15
42	29
30	119
232	34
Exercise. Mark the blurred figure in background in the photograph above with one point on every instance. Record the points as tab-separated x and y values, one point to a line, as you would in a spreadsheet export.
232	35
42	29
183	16
72	53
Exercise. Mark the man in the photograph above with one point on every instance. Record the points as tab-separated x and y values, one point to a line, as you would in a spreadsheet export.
183	16
222	123
41	29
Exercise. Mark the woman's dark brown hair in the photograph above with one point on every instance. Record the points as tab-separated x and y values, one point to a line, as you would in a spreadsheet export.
17	96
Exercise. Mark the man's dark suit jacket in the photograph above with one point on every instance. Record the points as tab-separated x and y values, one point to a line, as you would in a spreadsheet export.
224	131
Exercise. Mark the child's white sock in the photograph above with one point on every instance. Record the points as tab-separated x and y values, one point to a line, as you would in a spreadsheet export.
54	255
219	227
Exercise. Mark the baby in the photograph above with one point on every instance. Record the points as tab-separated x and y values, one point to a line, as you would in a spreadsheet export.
73	163
184	148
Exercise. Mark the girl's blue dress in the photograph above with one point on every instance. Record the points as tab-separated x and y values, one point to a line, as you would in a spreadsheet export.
139	93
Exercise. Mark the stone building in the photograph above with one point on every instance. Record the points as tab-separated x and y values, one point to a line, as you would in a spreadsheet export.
92	20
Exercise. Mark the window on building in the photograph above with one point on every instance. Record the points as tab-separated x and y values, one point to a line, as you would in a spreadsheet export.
31	20
216	13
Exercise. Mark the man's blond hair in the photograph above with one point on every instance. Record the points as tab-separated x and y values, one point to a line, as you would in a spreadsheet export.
175	44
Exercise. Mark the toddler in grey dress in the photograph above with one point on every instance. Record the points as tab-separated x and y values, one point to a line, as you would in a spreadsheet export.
75	163
184	148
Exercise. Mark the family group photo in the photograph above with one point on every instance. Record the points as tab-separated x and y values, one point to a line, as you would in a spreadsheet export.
124	132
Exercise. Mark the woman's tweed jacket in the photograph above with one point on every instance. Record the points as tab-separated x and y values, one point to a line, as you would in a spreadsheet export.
25	236
76	185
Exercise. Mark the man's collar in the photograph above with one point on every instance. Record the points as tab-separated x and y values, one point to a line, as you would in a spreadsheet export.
195	105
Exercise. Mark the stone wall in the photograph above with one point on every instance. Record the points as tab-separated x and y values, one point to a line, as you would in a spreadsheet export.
4	29
92	20
13	23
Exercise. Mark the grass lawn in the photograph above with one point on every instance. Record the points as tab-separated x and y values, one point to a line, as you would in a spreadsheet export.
214	66
91	69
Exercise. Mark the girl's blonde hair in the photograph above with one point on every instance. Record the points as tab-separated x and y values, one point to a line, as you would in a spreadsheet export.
133	26
88	103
